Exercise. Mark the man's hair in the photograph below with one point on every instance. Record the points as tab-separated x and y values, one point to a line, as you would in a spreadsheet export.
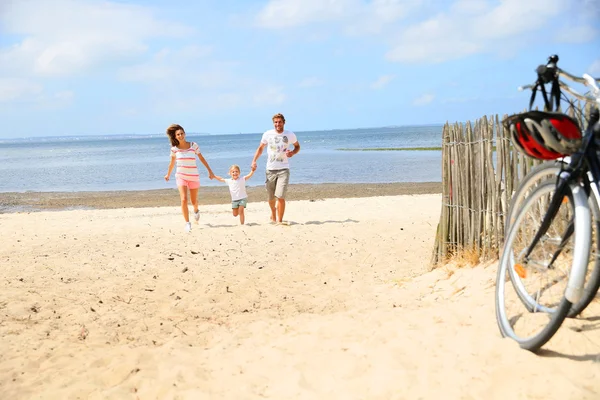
279	115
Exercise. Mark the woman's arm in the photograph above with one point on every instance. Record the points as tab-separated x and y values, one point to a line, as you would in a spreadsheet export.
203	161
171	165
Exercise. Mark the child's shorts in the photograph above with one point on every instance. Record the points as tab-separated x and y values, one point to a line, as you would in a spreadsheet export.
238	203
189	184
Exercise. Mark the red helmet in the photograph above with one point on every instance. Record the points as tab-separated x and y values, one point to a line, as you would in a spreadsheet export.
544	135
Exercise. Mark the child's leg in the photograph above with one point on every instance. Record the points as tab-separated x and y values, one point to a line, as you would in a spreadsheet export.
184	202
242	216
235	211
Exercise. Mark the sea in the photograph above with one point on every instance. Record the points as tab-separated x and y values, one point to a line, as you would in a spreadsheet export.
139	162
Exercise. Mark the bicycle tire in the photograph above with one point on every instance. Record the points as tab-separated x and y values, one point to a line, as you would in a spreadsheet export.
536	175
556	316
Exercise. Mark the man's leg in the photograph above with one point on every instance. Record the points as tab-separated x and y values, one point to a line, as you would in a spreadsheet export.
273	210
283	178
271	185
280	209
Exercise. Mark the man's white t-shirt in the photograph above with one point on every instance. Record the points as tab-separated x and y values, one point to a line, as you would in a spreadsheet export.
277	145
237	188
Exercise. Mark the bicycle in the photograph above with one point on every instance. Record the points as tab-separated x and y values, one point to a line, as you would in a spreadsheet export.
554	251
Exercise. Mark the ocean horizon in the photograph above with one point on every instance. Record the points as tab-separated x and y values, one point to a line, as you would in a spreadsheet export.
140	161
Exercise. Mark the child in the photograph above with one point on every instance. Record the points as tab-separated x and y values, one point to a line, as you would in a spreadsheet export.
187	177
237	188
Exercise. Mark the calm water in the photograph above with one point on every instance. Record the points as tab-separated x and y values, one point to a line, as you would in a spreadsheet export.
140	162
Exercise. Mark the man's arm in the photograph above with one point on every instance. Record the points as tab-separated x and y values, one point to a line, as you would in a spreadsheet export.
291	153
257	154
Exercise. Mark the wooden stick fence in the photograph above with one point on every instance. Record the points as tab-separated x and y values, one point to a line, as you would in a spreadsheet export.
480	171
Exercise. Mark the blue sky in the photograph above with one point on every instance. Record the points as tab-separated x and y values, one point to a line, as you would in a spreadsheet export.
86	67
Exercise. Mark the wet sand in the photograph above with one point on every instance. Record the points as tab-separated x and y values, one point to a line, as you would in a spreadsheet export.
37	201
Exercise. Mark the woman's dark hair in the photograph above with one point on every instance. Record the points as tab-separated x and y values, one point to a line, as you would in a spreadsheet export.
171	133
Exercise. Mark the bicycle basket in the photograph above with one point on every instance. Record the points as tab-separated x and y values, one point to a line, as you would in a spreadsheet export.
544	135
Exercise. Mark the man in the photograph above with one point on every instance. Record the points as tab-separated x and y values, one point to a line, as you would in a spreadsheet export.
278	141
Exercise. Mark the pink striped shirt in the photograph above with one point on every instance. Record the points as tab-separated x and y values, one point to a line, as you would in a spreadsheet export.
186	162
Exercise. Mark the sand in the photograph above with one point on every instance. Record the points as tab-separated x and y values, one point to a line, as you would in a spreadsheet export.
35	201
120	303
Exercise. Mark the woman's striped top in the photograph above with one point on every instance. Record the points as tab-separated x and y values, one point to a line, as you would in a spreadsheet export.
186	162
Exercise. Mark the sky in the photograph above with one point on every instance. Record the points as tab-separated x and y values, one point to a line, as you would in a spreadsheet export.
87	67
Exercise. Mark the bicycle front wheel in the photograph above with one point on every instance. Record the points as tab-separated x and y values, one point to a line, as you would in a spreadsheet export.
532	308
542	173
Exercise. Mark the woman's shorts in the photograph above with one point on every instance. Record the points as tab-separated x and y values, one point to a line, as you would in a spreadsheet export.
238	203
188	184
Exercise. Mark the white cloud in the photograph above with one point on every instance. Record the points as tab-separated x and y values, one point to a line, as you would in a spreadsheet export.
290	13
435	40
359	16
270	96
450	30
472	27
311	82
576	34
64	95
16	89
381	82
514	17
469	7
423	100
176	66
64	37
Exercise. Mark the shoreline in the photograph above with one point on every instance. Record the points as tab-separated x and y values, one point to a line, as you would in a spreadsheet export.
14	202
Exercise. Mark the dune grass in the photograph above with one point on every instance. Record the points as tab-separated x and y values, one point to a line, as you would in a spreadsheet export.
392	149
398	149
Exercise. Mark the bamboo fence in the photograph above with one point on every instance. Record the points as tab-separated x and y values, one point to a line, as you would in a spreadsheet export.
480	171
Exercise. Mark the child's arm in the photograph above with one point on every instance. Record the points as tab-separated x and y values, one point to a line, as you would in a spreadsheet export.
217	177
250	174
171	165
203	161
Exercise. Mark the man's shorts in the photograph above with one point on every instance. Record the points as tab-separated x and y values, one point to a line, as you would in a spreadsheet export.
277	183
239	203
186	183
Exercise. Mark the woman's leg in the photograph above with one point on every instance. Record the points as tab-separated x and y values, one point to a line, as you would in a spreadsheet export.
184	202
194	198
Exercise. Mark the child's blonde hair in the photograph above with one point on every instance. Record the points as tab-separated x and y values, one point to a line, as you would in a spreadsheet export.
235	166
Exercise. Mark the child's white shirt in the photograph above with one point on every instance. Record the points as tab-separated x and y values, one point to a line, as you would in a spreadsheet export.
237	188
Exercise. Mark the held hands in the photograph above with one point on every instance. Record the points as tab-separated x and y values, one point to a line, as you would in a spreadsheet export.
211	176
253	166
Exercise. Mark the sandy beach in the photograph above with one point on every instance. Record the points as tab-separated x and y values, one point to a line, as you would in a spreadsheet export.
116	301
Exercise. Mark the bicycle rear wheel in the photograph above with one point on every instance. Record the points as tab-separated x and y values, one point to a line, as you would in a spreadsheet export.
533	307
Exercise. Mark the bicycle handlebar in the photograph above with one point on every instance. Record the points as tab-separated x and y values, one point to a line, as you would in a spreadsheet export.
595	98
550	73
